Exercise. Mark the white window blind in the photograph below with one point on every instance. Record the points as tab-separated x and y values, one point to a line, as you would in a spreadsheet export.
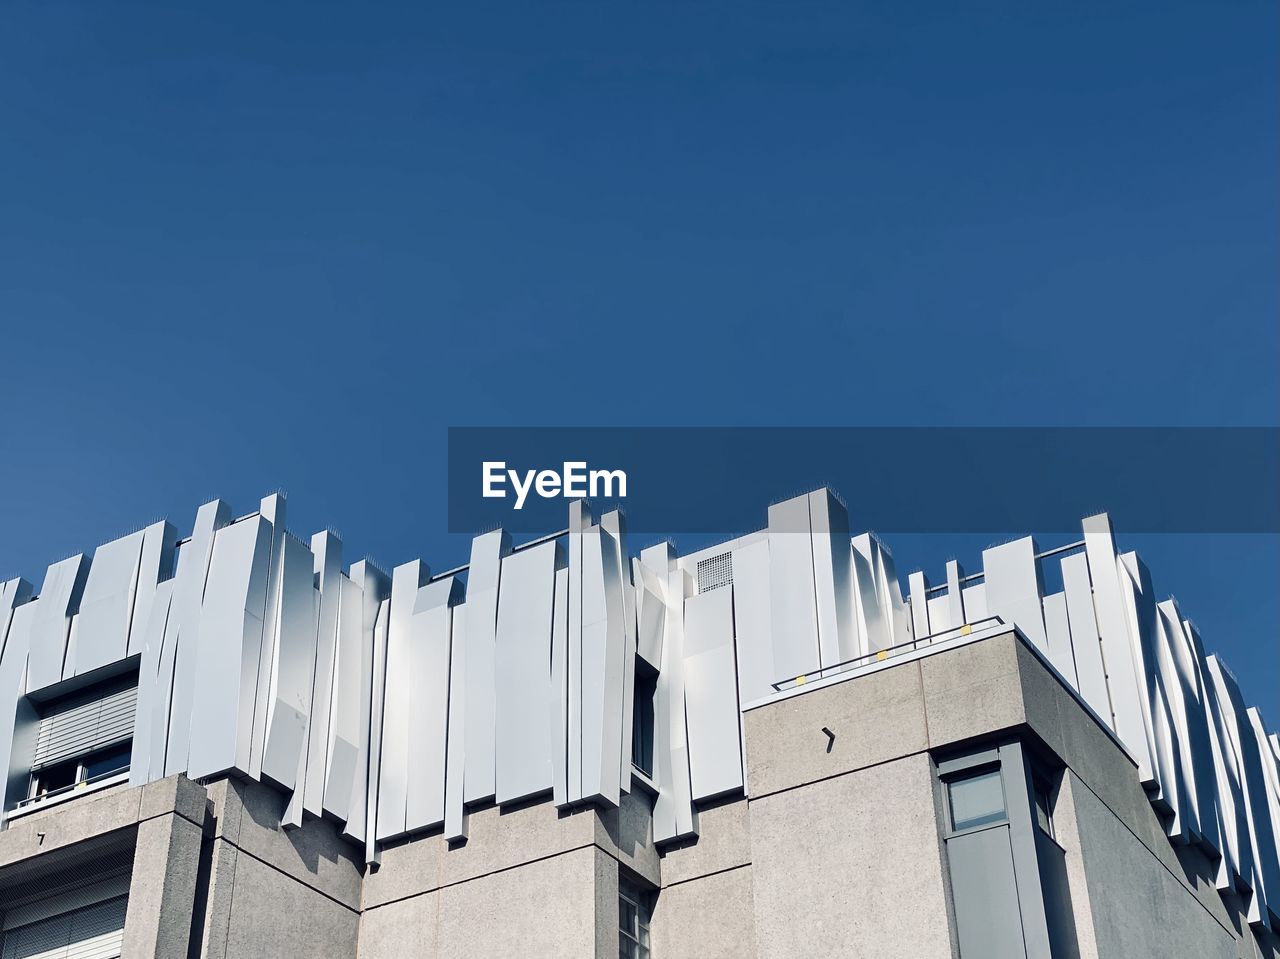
90	932
76	730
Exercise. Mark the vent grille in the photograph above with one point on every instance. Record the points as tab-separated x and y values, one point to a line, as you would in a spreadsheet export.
78	730
715	572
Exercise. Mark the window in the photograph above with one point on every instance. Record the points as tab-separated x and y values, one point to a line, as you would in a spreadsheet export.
58	778
633	922
642	717
84	737
1043	793
976	800
90	932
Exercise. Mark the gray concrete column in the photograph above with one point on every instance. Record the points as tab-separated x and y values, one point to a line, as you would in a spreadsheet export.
166	861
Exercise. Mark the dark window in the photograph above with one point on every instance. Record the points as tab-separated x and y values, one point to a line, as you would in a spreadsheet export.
108	761
633	922
54	778
646	689
1043	792
77	772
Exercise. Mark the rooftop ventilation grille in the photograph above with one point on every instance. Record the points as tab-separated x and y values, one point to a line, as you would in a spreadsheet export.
715	572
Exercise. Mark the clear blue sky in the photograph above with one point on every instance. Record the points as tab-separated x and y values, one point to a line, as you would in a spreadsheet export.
245	246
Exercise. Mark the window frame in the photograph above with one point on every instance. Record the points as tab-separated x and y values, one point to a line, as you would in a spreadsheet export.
969	774
636	942
644	709
81	778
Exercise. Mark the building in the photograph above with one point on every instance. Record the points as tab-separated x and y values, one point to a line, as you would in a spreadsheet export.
233	745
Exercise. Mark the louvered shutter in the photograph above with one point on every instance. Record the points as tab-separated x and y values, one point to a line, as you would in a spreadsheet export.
90	932
77	730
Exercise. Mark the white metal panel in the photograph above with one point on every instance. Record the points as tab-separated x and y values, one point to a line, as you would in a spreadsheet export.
891	594
1181	700
711	696
832	578
752	621
106	608
1268	796
614	523
1192	666
918	589
1137	596
603	641
1086	647
18	720
393	782
372	852
673	812
579	522
352	671
526	613
1124	683
374	588
793	607
875	627
150	692
272	509
940	614
1011	574
558	707
1058	635
226	653
651	611
13	593
327	550
956	616
1259	831
171	715
483	582
430	642
158	543
51	625
455	821
975	603
293	672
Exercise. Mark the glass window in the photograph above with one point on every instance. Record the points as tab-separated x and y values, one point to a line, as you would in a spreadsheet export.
976	800
108	761
54	778
1044	803
633	922
646	689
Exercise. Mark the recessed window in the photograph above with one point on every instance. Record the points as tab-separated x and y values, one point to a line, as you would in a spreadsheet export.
62	777
976	800
646	689
1043	793
84	737
633	922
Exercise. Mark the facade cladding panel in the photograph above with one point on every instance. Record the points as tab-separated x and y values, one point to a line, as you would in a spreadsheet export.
407	765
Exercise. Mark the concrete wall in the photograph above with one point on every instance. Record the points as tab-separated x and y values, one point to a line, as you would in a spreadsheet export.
529	881
272	891
157	826
841	809
851	866
706	907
